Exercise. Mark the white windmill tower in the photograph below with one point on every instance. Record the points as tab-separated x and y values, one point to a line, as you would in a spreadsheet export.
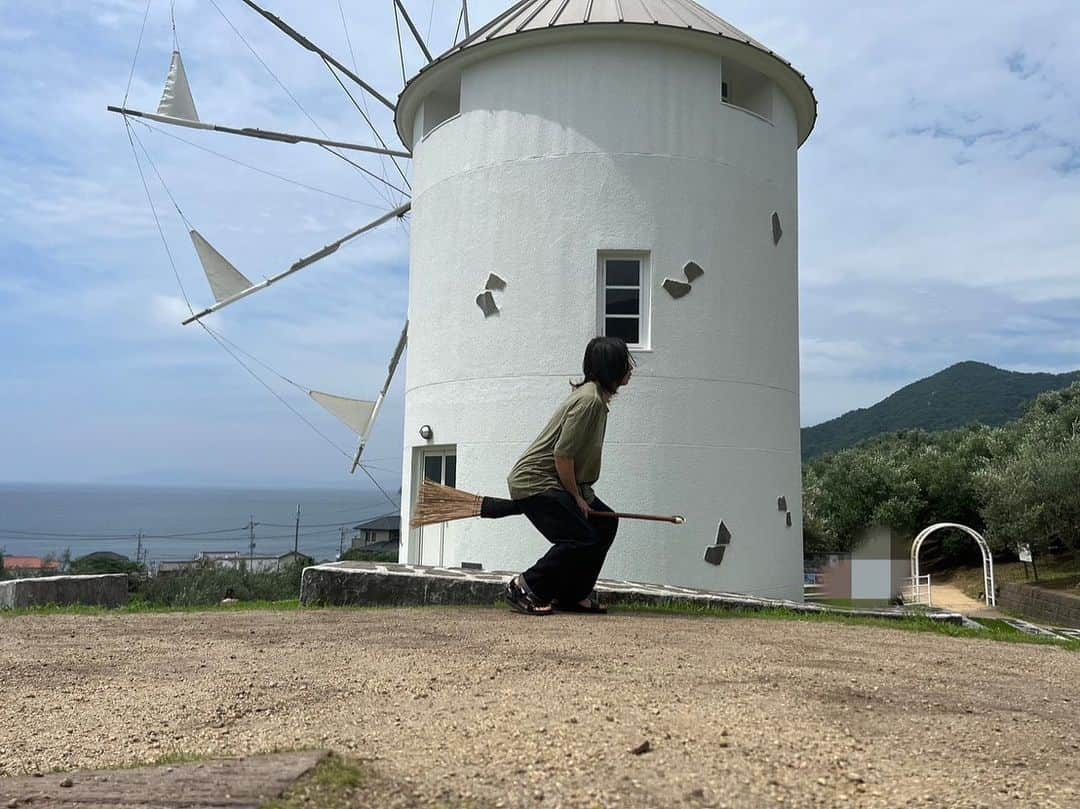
626	167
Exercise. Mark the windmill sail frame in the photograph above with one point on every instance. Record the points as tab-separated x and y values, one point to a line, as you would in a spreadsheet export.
251	132
394	360
307	261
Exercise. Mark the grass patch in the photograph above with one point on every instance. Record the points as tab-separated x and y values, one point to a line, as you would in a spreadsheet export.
970	579
995	630
342	783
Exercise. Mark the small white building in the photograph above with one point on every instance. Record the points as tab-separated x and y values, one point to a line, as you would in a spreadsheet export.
630	169
875	572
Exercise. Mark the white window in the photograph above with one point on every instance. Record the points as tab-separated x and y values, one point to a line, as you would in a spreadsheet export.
624	297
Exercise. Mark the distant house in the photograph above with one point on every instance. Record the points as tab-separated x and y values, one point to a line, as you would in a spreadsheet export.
234	560
32	565
383	531
103	556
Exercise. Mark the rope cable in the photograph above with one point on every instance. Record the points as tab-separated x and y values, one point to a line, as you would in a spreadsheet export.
390	202
366	118
138	46
161	180
172	19
281	177
157	221
273	75
274	393
255	359
132	138
280	83
363	96
187	300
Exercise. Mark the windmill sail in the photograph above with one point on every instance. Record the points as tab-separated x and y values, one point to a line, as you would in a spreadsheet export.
176	100
307	261
225	280
353	413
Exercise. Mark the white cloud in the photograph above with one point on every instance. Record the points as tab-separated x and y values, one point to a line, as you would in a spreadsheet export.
939	202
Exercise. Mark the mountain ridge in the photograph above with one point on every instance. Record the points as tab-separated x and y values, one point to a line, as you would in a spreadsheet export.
965	393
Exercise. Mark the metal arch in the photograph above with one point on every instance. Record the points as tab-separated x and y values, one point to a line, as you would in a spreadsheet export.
988	559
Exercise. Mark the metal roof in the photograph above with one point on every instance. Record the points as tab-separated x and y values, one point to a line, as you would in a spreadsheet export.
534	16
388	522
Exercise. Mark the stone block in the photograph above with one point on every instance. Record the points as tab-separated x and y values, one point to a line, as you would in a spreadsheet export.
107	590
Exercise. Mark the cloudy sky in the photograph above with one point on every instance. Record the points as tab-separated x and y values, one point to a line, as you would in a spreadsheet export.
940	204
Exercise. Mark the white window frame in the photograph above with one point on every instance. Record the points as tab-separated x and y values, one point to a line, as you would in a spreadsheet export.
644	302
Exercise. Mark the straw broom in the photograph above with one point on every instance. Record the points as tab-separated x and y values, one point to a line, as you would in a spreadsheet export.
438	504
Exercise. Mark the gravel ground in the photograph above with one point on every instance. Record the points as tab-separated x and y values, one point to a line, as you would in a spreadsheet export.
496	708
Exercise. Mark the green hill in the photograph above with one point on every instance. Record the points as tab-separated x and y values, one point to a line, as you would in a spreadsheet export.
966	393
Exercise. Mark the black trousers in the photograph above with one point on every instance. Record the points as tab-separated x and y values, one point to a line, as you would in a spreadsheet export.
568	571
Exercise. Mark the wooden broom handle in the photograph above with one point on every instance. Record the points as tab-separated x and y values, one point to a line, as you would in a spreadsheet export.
674	519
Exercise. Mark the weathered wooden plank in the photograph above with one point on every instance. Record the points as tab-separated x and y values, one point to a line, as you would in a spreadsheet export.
243	783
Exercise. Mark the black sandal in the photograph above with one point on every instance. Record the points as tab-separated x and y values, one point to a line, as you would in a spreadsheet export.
519	598
594	607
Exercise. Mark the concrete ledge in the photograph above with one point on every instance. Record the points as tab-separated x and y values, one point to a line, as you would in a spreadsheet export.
106	590
377	584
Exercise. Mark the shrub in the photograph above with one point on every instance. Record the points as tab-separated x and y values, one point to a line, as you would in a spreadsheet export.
209	584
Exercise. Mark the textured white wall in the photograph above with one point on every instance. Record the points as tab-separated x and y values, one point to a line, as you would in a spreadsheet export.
559	152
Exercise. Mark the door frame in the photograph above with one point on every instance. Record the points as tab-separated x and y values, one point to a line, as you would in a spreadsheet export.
420	456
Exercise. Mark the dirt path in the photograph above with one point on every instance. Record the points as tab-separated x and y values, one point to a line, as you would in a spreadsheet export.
951	597
481	704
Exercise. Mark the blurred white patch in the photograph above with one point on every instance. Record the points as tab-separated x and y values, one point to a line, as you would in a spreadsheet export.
168	310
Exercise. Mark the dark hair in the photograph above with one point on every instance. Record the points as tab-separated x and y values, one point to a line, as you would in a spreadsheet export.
607	362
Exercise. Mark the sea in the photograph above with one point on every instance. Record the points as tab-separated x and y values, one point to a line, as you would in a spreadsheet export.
178	522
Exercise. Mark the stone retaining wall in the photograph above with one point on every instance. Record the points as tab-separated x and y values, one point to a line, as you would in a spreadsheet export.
1040	604
378	584
106	590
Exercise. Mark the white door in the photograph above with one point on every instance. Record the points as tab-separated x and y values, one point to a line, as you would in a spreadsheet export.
439	465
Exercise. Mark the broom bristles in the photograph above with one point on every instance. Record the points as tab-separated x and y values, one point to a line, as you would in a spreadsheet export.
438	503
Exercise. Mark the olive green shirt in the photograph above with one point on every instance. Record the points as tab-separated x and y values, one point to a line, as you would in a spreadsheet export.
575	431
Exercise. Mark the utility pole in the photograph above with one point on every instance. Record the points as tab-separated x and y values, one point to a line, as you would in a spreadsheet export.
138	549
251	546
341	543
296	538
